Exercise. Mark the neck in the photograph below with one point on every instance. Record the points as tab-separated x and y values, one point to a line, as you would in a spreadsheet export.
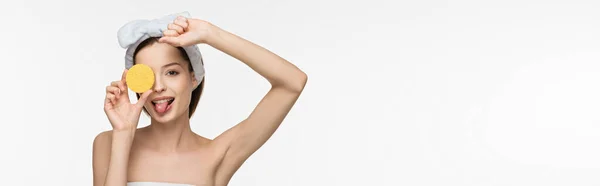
175	135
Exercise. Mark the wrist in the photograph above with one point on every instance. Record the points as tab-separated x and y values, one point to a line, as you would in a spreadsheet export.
123	135
214	34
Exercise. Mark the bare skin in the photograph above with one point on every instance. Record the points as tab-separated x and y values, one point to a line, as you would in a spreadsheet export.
168	150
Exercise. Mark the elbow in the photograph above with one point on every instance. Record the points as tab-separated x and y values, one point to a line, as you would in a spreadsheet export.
295	84
301	82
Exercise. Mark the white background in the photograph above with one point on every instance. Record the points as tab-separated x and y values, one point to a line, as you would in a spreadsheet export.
427	92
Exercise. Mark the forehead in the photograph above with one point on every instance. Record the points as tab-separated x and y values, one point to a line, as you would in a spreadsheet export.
157	55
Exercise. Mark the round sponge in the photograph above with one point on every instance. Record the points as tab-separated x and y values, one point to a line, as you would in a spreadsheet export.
140	78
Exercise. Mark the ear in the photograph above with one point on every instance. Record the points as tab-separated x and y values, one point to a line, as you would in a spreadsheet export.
194	81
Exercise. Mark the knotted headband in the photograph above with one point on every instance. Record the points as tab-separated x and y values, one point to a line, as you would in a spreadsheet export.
135	32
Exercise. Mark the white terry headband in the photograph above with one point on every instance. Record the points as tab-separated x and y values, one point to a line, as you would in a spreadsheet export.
135	32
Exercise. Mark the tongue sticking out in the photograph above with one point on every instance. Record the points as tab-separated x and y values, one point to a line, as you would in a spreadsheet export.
161	107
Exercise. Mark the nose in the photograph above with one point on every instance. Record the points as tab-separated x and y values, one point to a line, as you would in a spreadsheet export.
158	85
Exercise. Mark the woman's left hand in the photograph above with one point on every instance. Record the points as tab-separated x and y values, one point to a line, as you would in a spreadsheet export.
187	31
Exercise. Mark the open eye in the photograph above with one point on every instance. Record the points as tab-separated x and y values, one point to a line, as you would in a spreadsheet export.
172	72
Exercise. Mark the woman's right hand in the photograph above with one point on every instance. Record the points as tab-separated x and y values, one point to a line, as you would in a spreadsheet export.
122	114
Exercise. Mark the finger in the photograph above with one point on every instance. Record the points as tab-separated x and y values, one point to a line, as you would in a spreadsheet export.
122	86
115	84
175	27
143	98
107	103
170	33
124	75
114	90
181	18
112	98
174	41
183	23
123	93
118	84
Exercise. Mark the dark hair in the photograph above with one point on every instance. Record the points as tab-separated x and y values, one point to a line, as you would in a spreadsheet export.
195	94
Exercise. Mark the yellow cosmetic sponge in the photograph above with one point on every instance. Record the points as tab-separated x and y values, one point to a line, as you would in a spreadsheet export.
140	78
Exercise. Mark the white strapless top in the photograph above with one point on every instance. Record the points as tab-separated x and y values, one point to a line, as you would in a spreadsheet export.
155	184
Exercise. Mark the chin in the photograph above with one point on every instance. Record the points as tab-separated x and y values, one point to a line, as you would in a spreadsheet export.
164	118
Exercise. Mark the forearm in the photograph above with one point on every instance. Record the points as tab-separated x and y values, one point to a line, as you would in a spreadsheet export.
119	158
278	71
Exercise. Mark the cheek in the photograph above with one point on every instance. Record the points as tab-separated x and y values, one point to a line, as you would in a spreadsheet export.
181	87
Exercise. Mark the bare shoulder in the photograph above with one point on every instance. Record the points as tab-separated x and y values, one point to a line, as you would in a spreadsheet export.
101	156
102	141
101	147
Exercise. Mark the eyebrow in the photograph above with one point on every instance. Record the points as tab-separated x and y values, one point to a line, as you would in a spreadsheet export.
171	64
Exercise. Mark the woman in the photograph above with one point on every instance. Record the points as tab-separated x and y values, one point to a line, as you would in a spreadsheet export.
167	152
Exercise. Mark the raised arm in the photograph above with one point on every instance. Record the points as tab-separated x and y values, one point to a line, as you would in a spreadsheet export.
287	83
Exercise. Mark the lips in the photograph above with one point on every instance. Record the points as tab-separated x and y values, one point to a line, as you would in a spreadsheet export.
162	104
162	100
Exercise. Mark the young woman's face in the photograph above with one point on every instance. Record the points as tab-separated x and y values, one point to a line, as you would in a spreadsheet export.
173	83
